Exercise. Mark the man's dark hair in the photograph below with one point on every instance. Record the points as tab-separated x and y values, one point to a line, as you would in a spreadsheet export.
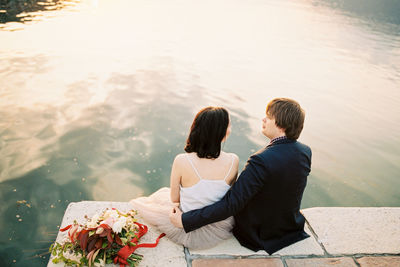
207	131
288	115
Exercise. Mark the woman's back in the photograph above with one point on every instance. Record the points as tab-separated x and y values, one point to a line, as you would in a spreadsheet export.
205	181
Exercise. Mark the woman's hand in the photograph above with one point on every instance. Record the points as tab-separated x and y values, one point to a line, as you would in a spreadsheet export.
175	216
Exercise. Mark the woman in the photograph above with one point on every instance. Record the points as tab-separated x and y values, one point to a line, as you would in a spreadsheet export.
199	177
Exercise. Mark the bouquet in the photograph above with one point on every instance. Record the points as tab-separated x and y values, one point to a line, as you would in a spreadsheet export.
111	237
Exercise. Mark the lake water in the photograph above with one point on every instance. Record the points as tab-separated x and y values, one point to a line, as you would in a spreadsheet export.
97	97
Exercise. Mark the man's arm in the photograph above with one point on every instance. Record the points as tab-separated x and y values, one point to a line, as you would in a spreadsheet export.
249	183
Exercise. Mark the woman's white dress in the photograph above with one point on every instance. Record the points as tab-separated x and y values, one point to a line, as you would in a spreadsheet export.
155	210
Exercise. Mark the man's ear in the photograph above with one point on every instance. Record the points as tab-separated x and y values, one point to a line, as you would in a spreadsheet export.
281	129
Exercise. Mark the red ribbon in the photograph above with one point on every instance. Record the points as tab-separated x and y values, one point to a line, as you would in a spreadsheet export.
66	228
127	250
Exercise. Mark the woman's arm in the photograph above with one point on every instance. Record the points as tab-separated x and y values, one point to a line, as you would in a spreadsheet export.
235	168
175	180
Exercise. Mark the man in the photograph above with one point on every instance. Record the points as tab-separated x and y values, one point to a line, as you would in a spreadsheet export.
265	200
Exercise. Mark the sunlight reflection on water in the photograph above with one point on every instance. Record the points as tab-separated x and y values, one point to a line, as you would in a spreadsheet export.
97	99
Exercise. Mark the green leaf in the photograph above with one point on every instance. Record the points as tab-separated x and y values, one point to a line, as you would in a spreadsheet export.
84	261
136	256
124	240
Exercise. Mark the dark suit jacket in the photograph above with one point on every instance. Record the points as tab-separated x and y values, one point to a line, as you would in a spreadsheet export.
265	199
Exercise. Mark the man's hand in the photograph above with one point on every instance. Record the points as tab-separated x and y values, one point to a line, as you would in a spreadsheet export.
175	217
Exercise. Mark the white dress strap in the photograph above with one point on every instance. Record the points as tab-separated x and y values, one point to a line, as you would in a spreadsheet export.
194	168
226	176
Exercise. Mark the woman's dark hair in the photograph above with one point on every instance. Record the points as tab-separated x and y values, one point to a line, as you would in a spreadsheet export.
207	131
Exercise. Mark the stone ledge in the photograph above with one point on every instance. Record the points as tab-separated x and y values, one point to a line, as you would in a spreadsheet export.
356	230
317	262
341	236
237	262
379	261
308	246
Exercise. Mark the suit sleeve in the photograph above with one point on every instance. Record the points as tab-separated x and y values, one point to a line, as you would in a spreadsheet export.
249	183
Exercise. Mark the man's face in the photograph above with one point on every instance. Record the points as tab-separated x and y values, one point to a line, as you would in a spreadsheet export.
269	128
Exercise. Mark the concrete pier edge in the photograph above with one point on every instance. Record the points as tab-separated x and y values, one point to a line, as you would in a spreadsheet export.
344	236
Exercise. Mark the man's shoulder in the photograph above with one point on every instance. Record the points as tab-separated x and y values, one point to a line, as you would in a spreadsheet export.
303	147
284	146
278	148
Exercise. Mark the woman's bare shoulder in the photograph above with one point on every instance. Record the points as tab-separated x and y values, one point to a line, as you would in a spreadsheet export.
179	158
235	157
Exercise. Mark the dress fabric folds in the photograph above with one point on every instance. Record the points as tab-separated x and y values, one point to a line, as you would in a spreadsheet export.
155	210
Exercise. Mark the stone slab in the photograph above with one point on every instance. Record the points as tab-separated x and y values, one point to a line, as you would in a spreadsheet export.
356	230
379	261
321	262
166	253
237	262
232	247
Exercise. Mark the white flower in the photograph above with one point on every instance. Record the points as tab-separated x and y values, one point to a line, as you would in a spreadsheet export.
65	238
71	256
119	224
109	221
95	218
91	224
93	221
117	227
111	213
99	264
